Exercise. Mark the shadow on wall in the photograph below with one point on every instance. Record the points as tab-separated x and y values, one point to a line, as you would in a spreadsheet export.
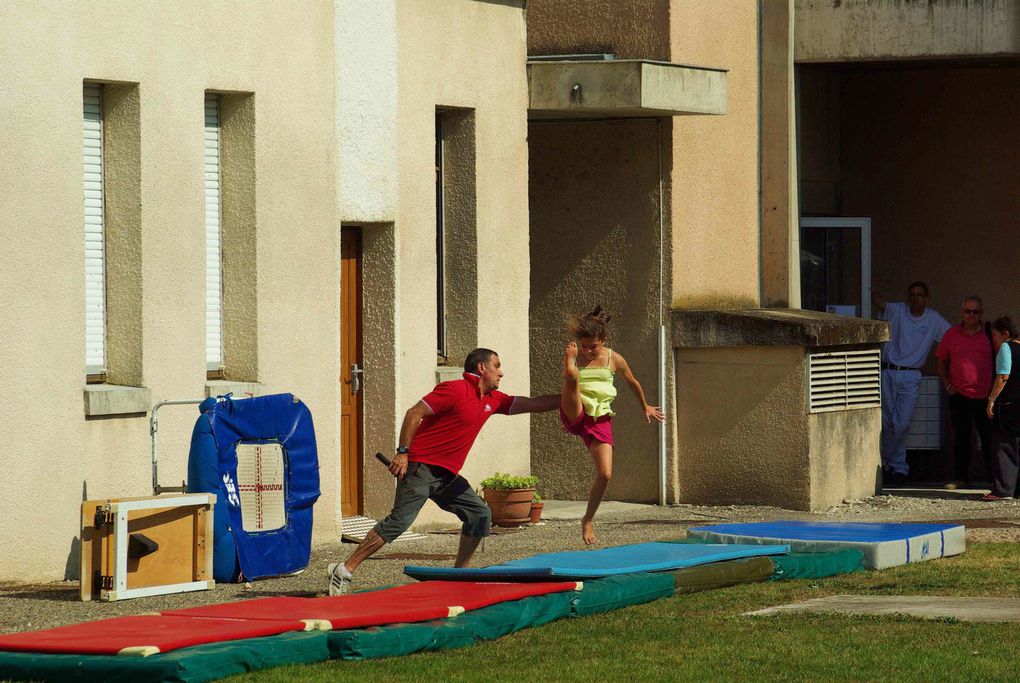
72	570
594	210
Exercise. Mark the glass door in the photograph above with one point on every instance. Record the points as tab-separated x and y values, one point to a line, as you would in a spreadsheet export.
835	265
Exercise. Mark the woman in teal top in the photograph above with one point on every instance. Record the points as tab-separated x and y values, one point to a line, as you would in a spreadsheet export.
1004	411
586	402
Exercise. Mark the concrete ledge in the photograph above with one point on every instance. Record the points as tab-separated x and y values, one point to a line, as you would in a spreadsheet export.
904	29
221	387
623	88
115	399
772	327
995	610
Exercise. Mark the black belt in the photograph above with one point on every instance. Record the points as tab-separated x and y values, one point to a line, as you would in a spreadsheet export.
890	366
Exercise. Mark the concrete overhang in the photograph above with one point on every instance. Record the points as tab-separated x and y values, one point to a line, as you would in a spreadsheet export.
773	327
622	88
905	30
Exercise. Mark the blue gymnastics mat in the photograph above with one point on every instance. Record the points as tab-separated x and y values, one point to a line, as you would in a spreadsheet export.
883	544
591	564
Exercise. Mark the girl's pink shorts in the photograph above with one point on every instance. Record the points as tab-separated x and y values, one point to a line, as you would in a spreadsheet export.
589	428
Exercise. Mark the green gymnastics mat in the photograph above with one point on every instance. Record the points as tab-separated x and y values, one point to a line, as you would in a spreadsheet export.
799	565
721	574
195	664
217	660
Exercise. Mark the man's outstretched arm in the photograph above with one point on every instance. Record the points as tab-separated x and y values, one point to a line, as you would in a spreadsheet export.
536	404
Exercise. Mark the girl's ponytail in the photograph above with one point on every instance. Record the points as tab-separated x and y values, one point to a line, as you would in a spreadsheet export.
594	324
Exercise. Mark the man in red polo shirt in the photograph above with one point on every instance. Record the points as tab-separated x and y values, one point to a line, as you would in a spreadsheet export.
965	368
437	433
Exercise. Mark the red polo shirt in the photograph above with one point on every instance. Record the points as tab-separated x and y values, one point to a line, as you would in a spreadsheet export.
459	409
970	361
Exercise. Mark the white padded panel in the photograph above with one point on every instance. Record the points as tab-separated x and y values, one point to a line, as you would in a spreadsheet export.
260	486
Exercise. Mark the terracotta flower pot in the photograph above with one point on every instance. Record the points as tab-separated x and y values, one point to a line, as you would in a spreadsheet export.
510	507
536	512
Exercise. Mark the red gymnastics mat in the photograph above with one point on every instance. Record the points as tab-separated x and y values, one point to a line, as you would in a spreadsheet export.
143	635
149	634
401	604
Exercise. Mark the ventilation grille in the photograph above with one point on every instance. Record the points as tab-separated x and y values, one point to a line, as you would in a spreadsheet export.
844	381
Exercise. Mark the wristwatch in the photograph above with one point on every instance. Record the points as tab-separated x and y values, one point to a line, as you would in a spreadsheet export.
401	450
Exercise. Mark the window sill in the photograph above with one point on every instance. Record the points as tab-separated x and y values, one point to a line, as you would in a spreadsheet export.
222	387
115	399
445	373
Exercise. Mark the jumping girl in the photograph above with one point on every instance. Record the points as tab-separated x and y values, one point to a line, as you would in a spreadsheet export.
589	367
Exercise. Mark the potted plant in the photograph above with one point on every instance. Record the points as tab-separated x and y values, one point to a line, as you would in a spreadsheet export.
536	508
509	497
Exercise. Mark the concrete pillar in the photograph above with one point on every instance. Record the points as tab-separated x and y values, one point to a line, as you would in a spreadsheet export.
780	234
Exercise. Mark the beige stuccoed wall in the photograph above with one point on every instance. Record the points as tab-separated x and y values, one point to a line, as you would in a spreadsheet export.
628	29
281	52
366	109
743	433
715	175
469	54
844	454
715	208
746	437
594	241
366	118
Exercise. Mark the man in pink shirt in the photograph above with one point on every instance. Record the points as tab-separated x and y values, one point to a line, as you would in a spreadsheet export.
965	368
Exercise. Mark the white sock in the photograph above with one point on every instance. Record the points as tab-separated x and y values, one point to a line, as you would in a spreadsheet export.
345	572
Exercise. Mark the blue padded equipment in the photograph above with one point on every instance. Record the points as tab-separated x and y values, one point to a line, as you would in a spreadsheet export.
283	422
883	544
204	477
588	564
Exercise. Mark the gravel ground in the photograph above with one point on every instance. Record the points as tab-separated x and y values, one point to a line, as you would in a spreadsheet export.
28	607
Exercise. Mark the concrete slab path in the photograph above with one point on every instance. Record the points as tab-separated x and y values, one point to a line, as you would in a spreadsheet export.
993	610
574	509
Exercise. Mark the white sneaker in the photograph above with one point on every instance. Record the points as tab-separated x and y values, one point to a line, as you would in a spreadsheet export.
339	579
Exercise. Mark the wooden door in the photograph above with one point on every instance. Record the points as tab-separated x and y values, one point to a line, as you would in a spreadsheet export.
351	382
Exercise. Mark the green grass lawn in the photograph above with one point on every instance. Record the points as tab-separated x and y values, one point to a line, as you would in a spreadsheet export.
704	637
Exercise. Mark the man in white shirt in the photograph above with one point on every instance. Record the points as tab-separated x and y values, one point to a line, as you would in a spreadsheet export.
913	330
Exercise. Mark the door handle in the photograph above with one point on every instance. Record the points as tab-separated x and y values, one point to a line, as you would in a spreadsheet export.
356	374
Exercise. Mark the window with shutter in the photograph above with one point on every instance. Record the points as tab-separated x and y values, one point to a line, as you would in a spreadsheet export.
95	259
213	250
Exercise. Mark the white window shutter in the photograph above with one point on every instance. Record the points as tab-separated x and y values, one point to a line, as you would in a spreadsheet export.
95	265
213	262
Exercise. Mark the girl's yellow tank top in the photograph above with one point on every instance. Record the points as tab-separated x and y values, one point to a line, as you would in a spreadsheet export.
597	390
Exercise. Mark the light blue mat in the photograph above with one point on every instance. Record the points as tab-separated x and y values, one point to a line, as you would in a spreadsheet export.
591	564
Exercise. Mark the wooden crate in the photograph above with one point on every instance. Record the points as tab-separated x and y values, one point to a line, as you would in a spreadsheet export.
115	567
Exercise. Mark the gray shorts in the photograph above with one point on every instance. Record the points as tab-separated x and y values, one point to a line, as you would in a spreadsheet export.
449	491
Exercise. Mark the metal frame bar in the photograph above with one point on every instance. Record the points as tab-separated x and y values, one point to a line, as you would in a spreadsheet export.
111	596
153	431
